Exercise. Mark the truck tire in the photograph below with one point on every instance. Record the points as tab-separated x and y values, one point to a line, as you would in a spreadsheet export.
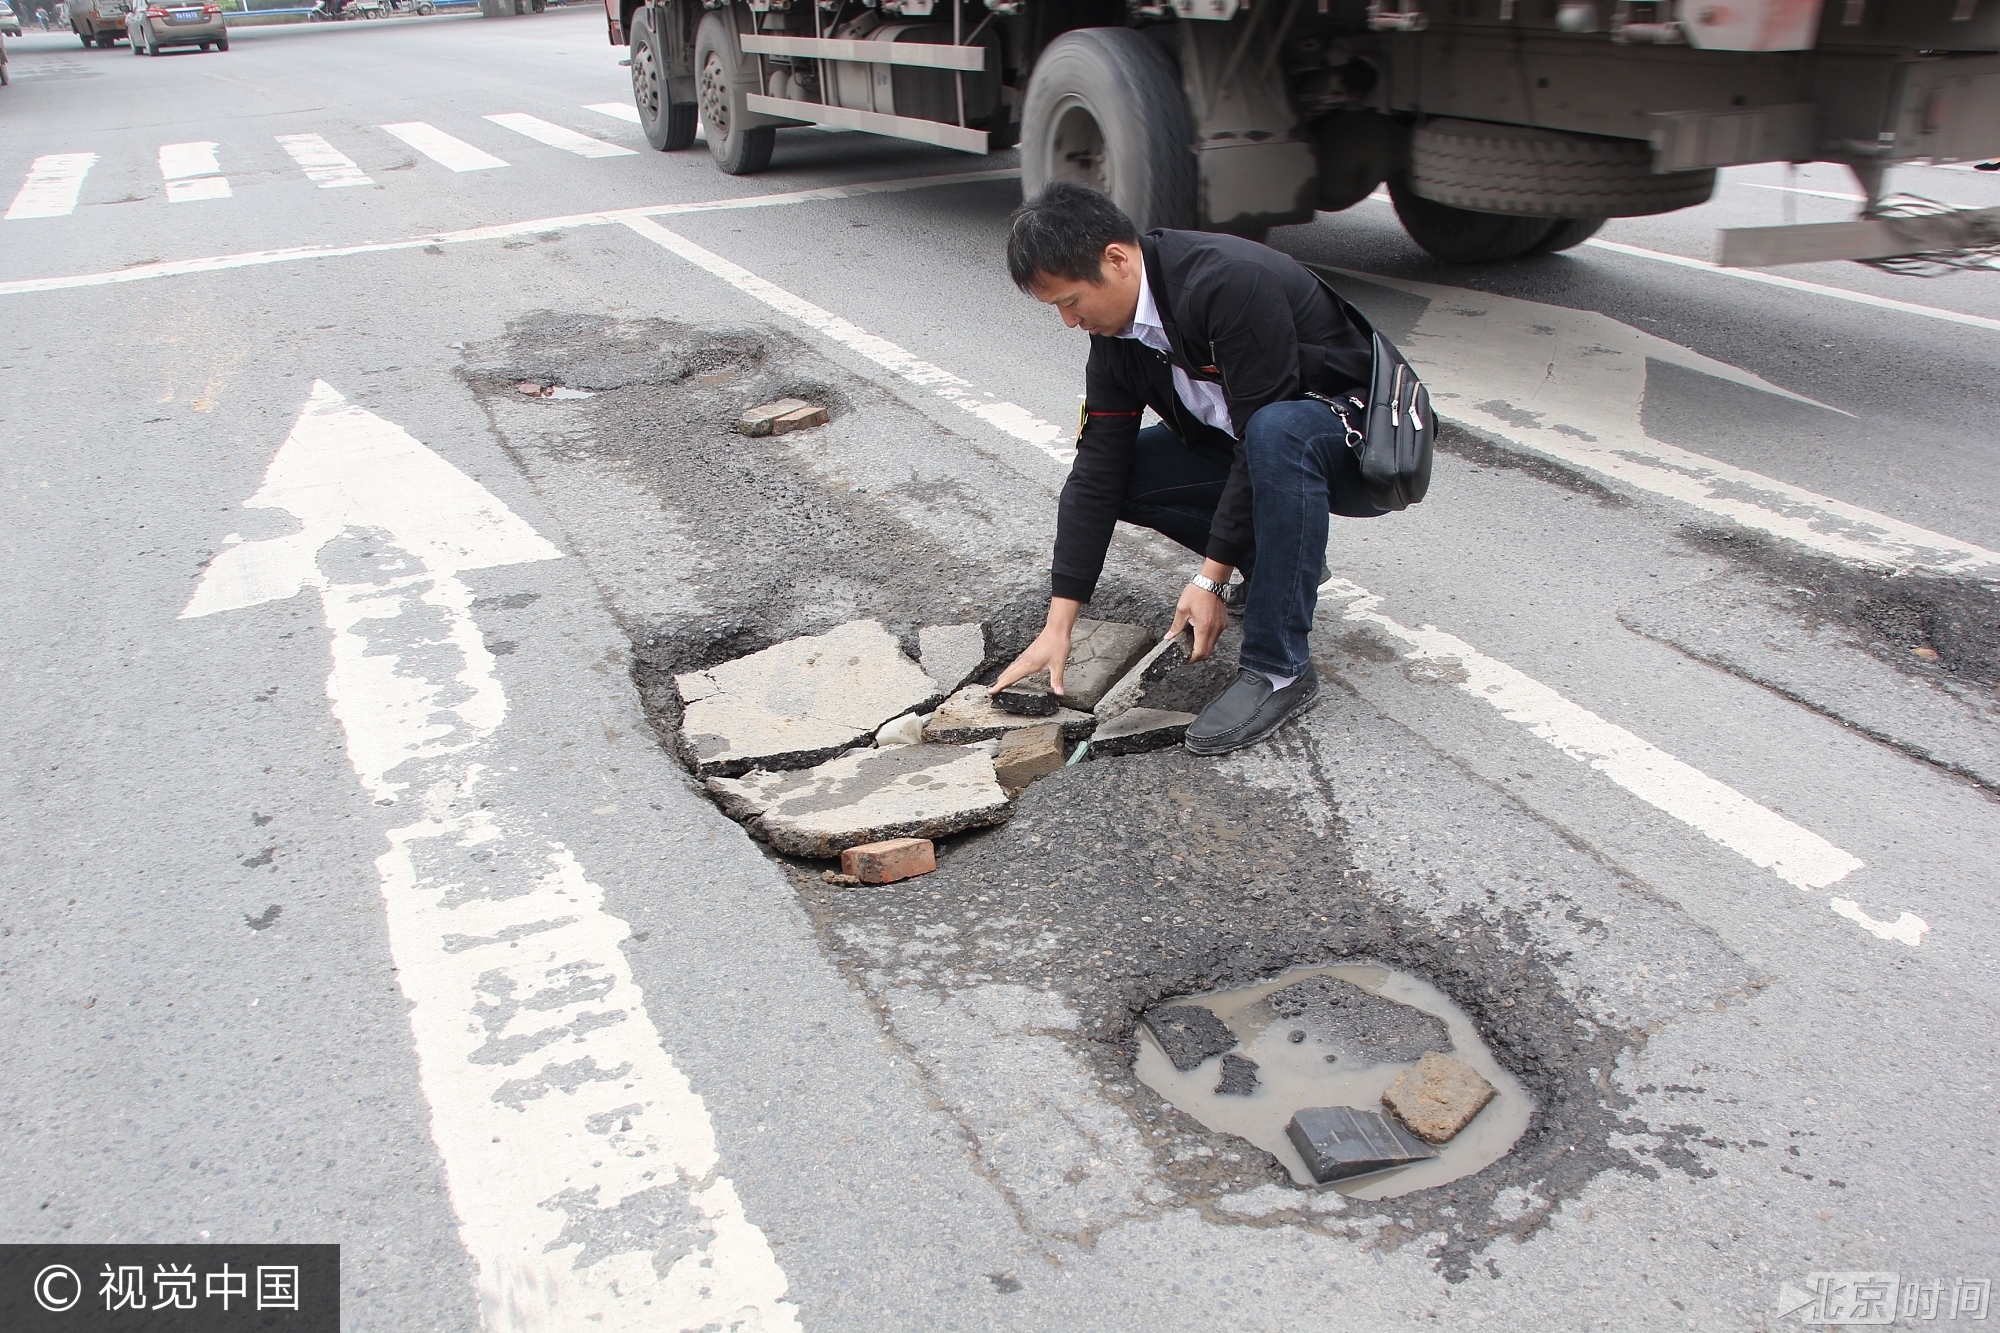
1461	236
669	125
723	78
1105	109
1567	234
1530	172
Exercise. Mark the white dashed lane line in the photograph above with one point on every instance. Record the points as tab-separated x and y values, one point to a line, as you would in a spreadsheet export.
558	136
442	148
324	165
52	187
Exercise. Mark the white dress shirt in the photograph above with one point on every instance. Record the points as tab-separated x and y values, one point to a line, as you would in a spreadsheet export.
1201	397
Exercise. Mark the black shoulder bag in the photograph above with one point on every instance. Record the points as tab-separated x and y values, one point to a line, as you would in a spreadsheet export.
1391	432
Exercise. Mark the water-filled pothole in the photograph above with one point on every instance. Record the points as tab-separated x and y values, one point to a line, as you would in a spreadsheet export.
1294	1074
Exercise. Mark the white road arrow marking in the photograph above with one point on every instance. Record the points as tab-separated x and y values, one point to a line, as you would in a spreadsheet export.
1718	811
1572	384
582	1166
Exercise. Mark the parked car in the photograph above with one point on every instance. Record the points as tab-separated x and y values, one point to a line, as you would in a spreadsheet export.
98	22
10	22
157	25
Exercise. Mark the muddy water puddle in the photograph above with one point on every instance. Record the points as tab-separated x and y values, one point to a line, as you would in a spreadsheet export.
1293	1073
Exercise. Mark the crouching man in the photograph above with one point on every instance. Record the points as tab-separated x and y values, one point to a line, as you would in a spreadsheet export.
1224	340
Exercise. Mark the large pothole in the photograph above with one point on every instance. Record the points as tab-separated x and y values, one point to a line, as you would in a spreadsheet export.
1118	883
1296	1061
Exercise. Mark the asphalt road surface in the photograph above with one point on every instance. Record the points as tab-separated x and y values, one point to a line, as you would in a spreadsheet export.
352	895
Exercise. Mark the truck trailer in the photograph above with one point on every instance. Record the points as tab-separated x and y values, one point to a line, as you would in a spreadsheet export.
1500	128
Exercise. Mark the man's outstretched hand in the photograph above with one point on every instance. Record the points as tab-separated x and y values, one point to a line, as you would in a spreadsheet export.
1205	611
1050	650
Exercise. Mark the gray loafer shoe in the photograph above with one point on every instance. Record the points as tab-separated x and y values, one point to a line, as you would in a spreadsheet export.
1250	710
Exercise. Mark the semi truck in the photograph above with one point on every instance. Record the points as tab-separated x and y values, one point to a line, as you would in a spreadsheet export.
1499	128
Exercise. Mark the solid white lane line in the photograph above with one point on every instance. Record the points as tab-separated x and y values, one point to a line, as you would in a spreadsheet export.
1007	417
1714	809
174	268
558	136
1798	285
1572	384
624	111
323	164
191	172
1777	280
441	148
581	1164
53	183
1817	194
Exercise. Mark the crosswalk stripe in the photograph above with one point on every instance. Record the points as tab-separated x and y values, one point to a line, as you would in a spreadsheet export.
624	111
192	173
556	136
441	148
52	186
323	164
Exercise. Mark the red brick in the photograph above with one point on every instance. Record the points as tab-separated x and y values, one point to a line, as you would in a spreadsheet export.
887	862
799	418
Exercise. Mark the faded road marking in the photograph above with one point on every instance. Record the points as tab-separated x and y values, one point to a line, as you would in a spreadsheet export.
191	172
557	136
1010	418
1714	809
174	268
1572	384
324	165
442	148
52	186
582	1166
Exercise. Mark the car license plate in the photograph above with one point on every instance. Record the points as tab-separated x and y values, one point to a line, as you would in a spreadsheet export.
185	15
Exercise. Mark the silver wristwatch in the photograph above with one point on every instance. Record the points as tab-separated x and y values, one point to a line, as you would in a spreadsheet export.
1209	585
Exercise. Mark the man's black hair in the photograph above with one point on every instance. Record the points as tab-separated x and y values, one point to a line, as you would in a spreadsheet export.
1062	232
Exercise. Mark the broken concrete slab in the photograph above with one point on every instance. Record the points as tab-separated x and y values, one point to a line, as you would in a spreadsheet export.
1339	1142
763	419
800	418
1031	697
1239	1077
865	796
1358	1026
1438	1096
952	654
970	716
1137	730
1163	657
888	862
799	702
1188	1033
1027	754
1100	653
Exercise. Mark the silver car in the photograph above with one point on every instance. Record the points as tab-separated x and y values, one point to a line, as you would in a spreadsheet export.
10	22
154	25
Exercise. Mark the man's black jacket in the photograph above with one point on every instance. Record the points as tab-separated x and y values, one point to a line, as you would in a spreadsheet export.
1235	312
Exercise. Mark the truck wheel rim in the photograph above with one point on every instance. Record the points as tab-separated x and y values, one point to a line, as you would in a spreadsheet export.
1077	150
715	95
646	82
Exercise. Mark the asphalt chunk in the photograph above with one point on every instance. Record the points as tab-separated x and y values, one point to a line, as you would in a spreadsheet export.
1239	1076
1189	1034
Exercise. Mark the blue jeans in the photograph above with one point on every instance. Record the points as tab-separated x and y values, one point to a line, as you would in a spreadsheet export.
1301	471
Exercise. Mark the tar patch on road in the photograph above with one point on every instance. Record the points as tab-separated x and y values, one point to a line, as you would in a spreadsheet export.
1123	883
1924	626
1119	883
